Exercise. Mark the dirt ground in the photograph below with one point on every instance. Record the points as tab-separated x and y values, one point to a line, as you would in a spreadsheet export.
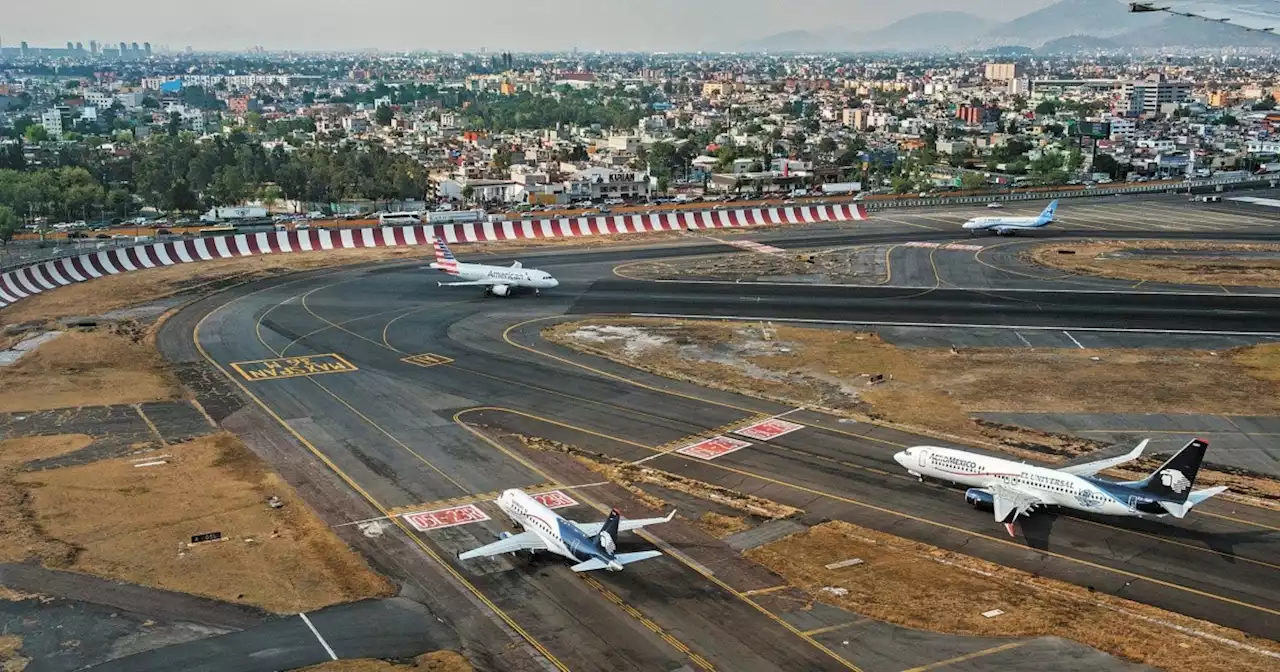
720	526
936	390
859	265
284	560
110	365
10	661
1108	259
436	661
920	586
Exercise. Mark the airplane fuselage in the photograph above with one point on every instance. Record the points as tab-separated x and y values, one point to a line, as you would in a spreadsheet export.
1052	487
561	536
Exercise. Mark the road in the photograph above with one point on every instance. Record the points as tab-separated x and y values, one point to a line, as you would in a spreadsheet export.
425	378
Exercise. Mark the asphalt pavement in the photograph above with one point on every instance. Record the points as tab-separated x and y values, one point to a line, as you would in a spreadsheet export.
412	372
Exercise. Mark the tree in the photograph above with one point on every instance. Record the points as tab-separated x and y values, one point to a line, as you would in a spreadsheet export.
1074	160
468	192
175	123
1046	108
8	224
269	195
383	115
35	133
971	180
827	145
1265	104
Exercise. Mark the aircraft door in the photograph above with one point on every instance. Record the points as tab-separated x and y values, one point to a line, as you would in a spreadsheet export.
923	458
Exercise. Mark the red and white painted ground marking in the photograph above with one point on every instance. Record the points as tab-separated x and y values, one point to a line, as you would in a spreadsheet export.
424	521
769	429
755	247
554	499
714	447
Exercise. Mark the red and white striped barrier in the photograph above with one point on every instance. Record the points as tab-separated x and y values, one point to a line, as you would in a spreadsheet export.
19	284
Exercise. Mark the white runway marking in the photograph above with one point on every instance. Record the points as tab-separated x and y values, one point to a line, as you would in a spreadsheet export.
327	648
1073	339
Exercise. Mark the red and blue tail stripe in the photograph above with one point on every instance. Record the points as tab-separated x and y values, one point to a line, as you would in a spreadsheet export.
445	261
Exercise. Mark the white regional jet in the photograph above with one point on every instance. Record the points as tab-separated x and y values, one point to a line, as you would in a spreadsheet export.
496	280
1007	226
1013	489
590	545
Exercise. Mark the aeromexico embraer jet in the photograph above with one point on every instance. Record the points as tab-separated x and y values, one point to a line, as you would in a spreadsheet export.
590	545
1007	226
496	280
1014	489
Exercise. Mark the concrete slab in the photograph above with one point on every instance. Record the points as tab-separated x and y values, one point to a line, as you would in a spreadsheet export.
767	533
11	356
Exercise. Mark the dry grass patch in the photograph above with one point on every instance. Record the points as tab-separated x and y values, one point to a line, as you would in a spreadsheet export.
920	586
117	365
935	391
10	661
436	661
720	526
628	475
1107	259
284	560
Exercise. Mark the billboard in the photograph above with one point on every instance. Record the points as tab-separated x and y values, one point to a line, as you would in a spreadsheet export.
1091	129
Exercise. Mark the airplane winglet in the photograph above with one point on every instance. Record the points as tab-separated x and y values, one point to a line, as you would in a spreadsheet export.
1009	527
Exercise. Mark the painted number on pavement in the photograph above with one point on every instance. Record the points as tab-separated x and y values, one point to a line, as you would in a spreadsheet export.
714	447
424	521
554	499
769	429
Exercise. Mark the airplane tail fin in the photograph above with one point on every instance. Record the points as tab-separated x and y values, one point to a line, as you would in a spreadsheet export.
1197	496
610	529
1046	215
1173	480
445	261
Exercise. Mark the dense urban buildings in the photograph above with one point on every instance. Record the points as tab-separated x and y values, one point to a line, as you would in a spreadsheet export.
511	131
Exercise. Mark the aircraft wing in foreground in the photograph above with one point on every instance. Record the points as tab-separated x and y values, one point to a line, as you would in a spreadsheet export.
1260	15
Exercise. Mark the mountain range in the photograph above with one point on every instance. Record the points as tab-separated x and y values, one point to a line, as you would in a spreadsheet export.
1067	26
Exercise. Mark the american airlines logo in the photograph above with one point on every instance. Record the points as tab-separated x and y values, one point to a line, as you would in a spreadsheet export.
1175	480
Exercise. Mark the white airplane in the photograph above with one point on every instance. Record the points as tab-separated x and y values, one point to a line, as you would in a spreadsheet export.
1014	489
496	280
1006	226
590	545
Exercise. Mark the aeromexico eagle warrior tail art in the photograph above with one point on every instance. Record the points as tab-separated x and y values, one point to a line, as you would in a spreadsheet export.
1014	489
496	280
591	546
1007	226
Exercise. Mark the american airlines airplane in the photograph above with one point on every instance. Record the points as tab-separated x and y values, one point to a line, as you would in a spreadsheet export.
590	545
1014	489
496	280
1007	226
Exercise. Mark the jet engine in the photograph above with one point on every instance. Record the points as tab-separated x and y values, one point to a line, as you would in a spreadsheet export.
979	498
500	290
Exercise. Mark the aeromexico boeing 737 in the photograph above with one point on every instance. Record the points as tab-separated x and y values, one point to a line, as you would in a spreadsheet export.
1007	226
1014	489
496	280
590	545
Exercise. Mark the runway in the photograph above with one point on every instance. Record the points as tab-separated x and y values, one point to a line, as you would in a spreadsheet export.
425	380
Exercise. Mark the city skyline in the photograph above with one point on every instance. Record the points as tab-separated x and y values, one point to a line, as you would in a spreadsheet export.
554	25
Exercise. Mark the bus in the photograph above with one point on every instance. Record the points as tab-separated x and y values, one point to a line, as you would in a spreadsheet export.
399	218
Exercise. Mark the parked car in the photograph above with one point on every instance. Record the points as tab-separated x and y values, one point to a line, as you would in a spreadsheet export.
993	205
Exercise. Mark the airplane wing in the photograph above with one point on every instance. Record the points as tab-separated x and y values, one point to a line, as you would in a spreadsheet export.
525	541
1091	468
592	529
1008	499
1263	15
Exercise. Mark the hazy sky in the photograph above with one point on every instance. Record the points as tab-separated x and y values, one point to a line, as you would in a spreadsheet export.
518	25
